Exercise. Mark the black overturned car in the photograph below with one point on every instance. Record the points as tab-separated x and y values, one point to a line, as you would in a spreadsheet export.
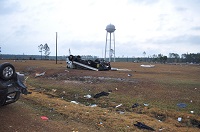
75	62
11	84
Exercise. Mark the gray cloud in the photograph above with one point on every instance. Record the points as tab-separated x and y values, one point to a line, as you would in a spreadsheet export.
195	28
8	8
181	9
143	2
183	39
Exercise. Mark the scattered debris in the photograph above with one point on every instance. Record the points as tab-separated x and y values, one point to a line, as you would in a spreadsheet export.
87	96
74	102
113	69
146	104
191	111
135	105
195	123
44	118
123	70
116	69
121	112
67	70
160	117
100	124
54	90
118	105
179	119
39	74
160	129
101	94
181	105
143	126
147	66
93	105
129	75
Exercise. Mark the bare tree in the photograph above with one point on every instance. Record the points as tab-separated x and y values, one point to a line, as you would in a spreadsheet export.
46	50
144	53
40	47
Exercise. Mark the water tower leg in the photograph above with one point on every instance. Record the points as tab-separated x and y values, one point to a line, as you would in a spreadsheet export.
110	52
114	45
106	46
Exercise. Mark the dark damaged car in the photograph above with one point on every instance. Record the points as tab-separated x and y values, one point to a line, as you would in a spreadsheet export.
11	84
75	62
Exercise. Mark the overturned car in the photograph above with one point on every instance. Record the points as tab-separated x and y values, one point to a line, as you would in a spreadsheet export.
11	84
75	62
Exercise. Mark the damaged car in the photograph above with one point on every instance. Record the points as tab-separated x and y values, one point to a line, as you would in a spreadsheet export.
11	84
75	62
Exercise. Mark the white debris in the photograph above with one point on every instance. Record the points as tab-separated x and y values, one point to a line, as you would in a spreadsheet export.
146	104
74	102
129	75
39	74
147	66
118	105
54	90
93	105
179	119
87	96
121	112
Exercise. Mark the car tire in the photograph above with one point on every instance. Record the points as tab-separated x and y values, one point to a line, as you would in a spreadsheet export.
71	57
7	71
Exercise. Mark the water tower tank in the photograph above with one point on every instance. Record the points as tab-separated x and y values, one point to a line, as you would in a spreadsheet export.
110	28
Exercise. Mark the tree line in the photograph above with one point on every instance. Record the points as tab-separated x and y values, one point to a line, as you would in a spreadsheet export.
172	57
176	58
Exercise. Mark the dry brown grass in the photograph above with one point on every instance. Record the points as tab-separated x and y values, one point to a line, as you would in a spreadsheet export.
161	87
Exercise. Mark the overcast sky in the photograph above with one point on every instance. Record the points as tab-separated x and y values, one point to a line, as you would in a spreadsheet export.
153	26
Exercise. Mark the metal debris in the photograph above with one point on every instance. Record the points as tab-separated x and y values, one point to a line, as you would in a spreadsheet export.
143	126
135	105
101	94
39	74
181	105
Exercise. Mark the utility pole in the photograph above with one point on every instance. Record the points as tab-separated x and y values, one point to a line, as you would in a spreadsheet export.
56	47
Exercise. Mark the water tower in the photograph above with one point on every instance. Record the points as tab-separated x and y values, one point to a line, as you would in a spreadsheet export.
110	30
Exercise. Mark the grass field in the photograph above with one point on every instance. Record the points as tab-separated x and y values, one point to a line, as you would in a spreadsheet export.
156	91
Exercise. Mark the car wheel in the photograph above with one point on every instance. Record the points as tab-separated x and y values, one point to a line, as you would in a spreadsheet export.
71	57
7	71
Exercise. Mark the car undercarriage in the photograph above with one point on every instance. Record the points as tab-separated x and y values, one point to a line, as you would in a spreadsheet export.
75	62
11	84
